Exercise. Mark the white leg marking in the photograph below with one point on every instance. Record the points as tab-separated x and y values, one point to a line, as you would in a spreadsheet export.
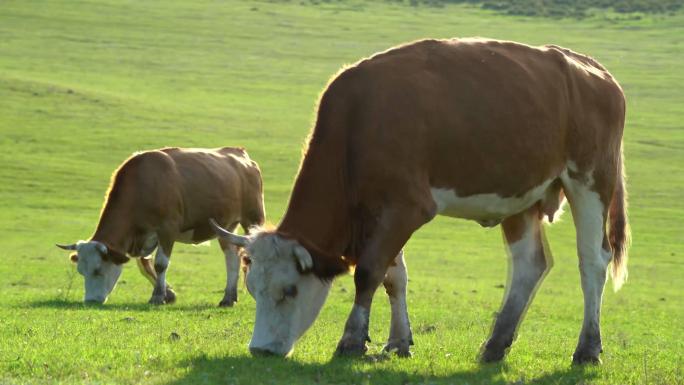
161	264
355	331
588	214
524	263
527	267
357	322
232	275
396	280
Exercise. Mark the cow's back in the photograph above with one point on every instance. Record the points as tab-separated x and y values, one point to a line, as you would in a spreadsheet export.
219	183
474	116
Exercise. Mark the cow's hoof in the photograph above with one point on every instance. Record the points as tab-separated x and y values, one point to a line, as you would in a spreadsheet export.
226	303
585	358
349	348
156	300
170	296
400	347
229	298
492	355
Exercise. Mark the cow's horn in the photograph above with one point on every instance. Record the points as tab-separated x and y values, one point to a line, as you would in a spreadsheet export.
303	258
67	247
237	240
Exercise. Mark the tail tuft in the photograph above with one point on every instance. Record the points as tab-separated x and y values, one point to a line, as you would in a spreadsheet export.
619	233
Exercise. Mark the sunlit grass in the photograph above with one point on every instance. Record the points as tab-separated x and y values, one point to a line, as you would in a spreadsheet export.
85	84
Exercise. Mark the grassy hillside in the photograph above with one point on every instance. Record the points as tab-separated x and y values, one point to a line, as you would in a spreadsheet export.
84	84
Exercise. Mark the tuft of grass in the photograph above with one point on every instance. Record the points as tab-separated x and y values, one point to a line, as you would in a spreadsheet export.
83	85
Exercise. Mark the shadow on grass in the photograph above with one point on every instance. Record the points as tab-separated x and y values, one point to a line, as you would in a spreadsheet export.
77	305
248	370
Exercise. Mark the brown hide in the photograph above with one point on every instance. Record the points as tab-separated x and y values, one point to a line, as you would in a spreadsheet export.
474	116
174	190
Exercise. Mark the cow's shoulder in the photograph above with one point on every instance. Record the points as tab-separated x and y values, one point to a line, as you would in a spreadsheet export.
143	161
234	151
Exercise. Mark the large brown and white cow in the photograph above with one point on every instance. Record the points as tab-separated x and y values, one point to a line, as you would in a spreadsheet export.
487	130
159	197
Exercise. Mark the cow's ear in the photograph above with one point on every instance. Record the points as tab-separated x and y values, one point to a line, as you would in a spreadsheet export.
116	257
245	266
244	258
73	257
303	258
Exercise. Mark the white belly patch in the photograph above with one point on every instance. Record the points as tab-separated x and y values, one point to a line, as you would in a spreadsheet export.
487	209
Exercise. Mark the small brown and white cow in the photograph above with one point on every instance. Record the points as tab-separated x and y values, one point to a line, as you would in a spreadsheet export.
486	130
162	196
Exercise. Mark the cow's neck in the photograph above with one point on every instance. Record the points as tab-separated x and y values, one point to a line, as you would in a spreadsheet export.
114	229
318	212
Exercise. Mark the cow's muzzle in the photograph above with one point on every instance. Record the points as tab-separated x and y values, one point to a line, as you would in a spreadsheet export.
95	301
271	350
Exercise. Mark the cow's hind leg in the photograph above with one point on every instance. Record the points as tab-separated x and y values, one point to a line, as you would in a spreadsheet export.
396	279
528	265
589	213
161	264
232	272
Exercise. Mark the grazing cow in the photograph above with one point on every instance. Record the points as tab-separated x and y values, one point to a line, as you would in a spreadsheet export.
492	131
159	197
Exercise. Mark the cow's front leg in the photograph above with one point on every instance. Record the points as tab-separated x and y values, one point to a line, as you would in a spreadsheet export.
528	265
355	336
400	336
161	264
393	229
145	265
232	273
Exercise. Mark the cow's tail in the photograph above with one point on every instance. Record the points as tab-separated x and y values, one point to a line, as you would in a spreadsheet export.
618	232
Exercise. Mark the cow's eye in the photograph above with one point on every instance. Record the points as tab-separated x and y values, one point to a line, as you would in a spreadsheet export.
290	291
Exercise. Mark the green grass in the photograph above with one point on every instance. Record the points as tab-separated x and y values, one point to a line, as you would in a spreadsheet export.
83	84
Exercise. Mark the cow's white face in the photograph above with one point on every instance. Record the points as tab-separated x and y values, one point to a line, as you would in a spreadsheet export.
287	299
100	275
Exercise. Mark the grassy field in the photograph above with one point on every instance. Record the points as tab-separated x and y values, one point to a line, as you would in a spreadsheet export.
83	84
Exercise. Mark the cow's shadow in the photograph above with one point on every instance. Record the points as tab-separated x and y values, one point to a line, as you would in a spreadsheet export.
265	370
137	306
244	369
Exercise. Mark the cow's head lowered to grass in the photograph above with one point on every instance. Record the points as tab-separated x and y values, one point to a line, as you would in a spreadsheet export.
288	295
99	266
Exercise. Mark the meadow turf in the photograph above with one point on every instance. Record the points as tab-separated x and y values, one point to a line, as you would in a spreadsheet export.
83	84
